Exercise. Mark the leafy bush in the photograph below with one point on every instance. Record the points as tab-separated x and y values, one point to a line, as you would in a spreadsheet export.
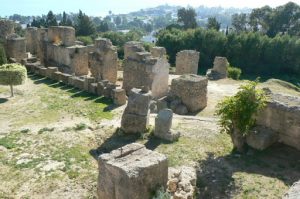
161	194
3	59
12	75
234	73
87	40
239	111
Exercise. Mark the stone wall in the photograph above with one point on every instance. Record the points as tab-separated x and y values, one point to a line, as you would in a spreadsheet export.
131	172
61	35
103	61
143	70
32	40
282	115
16	47
131	47
191	91
187	62
6	28
158	52
219	70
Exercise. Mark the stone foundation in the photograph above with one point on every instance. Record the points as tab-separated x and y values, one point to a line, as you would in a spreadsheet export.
16	47
131	172
191	91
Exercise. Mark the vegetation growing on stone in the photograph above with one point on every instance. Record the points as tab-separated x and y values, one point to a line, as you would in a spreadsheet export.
12	75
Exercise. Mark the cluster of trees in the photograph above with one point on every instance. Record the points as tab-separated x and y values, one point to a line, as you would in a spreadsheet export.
253	52
271	21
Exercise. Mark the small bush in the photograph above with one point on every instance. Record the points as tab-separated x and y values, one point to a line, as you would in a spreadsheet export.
80	127
12	75
87	40
234	73
3	59
46	129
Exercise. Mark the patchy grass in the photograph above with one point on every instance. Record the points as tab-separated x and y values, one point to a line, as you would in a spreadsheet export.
80	127
10	140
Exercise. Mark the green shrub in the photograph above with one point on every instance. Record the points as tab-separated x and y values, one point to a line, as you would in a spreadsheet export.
12	75
237	113
3	59
234	73
161	194
87	40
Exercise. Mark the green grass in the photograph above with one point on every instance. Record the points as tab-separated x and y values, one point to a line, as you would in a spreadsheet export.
10	140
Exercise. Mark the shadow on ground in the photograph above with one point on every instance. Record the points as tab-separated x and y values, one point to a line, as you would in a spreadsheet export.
215	175
74	92
3	100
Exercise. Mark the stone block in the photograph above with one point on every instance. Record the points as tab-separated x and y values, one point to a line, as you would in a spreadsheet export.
62	35
131	172
42	71
79	83
219	70
15	47
7	27
131	48
187	62
133	123
138	102
50	71
65	78
93	88
56	76
158	52
87	83
261	138
119	96
191	90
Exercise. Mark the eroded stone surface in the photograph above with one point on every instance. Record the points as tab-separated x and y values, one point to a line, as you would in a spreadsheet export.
131	172
219	70
187	62
294	192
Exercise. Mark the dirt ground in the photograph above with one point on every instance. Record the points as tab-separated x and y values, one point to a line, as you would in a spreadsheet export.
51	135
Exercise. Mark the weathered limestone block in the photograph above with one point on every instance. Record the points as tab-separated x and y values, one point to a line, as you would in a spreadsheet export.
132	47
187	62
143	70
93	88
119	96
103	62
163	124
131	172
65	78
294	192
87	83
56	76
108	89
61	35
31	66
78	83
282	115
158	52
182	182
50	71
16	47
261	138
191	90
42	71
71	80
6	28
42	44
135	118
219	71
32	40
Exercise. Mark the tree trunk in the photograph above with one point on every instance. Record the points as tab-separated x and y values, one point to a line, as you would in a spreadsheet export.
11	90
238	140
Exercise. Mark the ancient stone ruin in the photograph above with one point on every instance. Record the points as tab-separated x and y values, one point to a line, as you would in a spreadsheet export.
281	119
131	172
190	91
219	71
135	118
163	124
6	28
158	52
143	70
15	47
103	61
187	62
132	47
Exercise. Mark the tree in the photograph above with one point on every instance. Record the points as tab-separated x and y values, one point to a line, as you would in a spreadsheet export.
84	25
51	19
118	20
187	16
237	113
239	22
259	19
3	59
213	24
12	75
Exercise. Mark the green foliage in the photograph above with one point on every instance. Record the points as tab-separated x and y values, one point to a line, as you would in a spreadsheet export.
187	16
51	19
87	40
12	74
45	129
234	73
3	59
80	127
254	53
213	24
239	111
148	46
84	26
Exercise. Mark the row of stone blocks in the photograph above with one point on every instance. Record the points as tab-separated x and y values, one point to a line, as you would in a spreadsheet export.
88	84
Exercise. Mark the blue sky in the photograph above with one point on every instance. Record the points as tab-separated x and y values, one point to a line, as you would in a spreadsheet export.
101	7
